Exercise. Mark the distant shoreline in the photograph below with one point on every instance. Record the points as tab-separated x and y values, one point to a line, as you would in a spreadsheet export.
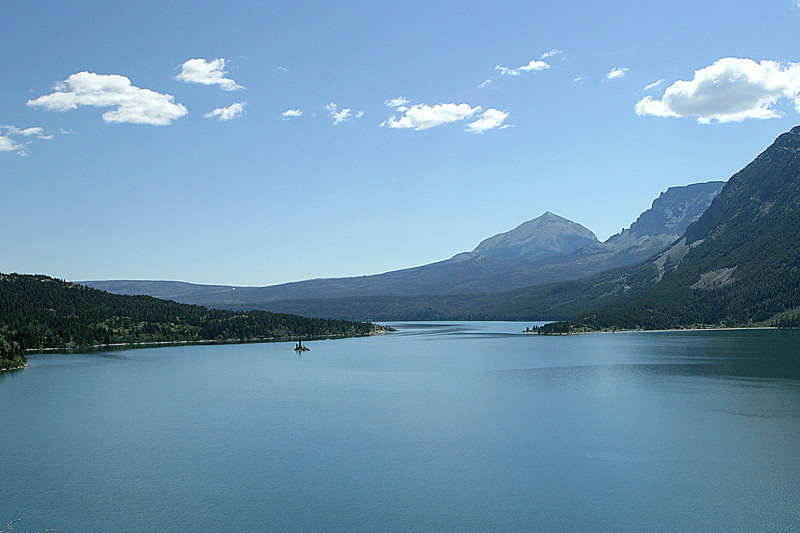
710	328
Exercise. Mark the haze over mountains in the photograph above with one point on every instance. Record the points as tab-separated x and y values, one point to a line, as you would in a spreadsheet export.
544	250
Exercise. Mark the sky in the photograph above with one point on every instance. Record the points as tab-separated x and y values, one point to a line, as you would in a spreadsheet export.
255	143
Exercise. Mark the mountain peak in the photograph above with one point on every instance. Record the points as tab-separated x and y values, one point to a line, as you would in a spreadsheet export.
545	235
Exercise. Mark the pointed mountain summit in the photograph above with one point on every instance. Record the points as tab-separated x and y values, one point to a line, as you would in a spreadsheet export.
546	235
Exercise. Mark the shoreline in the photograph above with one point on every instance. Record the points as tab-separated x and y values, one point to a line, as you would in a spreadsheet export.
14	368
157	344
710	328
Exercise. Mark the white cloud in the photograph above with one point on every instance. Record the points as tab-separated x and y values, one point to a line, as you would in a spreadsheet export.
282	68
207	73
533	65
654	85
485	84
422	117
555	52
292	113
231	112
617	72
13	130
399	101
579	78
730	90
490	119
360	114
133	104
8	145
338	115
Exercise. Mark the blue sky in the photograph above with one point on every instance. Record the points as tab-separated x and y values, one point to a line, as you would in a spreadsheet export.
240	143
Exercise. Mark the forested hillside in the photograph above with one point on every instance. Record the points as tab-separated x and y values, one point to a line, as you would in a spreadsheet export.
43	312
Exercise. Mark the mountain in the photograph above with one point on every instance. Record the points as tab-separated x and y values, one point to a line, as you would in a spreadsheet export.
510	262
544	250
43	312
738	264
541	237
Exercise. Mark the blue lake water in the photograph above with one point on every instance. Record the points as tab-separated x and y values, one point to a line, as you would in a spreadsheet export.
439	427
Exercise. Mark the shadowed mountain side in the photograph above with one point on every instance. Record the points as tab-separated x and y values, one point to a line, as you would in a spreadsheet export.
555	301
738	264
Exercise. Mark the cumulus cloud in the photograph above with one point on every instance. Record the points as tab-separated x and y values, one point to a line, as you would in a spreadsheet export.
616	73
207	73
490	119
292	113
132	104
341	115
534	65
231	112
730	90
422	117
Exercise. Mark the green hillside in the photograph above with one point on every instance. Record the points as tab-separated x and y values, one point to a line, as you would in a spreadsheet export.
42	312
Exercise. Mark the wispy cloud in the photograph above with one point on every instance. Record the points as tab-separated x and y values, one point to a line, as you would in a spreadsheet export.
422	117
292	113
207	73
400	100
231	112
132	104
282	68
730	90
616	73
534	65
485	84
551	53
7	144
654	85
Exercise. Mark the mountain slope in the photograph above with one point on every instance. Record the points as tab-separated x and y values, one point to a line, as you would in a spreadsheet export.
544	250
738	264
512	262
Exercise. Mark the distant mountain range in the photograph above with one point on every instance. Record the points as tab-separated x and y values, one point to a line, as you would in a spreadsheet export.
544	250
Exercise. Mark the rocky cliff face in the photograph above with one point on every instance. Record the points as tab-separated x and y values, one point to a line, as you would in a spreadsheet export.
666	220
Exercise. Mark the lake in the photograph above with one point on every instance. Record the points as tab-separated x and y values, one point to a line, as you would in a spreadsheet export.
447	426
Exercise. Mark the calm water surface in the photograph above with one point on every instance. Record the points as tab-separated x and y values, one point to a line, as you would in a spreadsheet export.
438	427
